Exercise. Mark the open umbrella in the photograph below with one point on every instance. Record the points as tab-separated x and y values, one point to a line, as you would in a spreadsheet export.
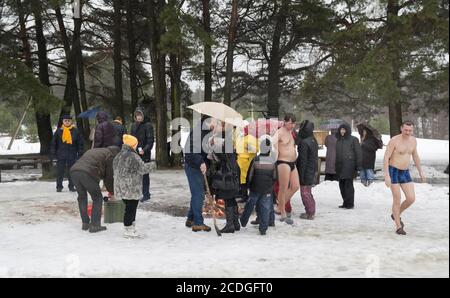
371	130
89	114
220	112
331	124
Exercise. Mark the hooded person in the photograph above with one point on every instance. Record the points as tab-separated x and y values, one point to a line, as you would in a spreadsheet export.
225	175
348	163
128	171
307	166
66	148
95	165
104	131
262	175
369	147
143	131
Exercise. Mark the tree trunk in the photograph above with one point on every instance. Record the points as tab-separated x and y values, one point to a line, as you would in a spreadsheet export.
83	97
26	51
273	84
159	82
71	90
175	88
132	56
207	51
395	106
76	48
230	52
118	90
43	121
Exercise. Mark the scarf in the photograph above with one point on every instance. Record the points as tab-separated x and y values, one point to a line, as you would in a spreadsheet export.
66	136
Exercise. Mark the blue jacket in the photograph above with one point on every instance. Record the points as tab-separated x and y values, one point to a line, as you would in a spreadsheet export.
63	151
193	152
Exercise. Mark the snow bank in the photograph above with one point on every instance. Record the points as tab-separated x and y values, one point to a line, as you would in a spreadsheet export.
431	152
20	146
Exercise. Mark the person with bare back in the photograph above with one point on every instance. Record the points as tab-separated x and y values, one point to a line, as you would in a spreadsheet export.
396	172
288	180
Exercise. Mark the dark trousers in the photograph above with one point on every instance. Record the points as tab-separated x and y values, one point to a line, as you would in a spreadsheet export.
61	167
264	209
347	192
197	188
130	212
86	184
146	187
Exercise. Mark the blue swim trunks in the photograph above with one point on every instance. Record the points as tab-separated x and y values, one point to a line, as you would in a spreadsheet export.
399	176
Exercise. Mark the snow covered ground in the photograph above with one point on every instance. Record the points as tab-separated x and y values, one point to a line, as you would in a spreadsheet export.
40	232
40	236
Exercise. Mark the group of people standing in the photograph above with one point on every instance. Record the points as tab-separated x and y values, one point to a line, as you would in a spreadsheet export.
286	163
112	158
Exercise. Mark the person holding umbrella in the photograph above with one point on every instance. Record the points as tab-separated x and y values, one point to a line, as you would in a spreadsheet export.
196	155
369	146
195	166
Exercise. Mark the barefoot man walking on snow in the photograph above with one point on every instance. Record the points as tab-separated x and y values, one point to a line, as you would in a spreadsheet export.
287	173
396	171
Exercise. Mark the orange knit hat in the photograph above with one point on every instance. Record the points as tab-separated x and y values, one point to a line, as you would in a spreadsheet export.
130	141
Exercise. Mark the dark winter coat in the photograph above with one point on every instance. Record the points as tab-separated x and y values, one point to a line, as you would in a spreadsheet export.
307	155
330	161
104	131
262	174
128	170
119	131
98	164
348	154
226	166
194	153
63	151
369	148
143	131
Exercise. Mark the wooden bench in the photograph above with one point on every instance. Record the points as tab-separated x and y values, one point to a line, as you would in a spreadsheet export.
17	161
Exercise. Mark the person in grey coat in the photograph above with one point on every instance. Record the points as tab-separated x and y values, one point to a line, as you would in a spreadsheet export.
128	171
348	163
330	160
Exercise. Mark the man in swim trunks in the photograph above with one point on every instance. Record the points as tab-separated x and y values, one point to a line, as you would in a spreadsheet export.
396	171
288	180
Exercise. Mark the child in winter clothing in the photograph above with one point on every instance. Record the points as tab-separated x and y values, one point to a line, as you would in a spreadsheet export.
128	171
261	177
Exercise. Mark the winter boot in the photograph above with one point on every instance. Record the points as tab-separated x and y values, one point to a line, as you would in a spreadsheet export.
201	228
306	216
189	223
237	225
130	232
229	214
255	222
85	226
95	229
